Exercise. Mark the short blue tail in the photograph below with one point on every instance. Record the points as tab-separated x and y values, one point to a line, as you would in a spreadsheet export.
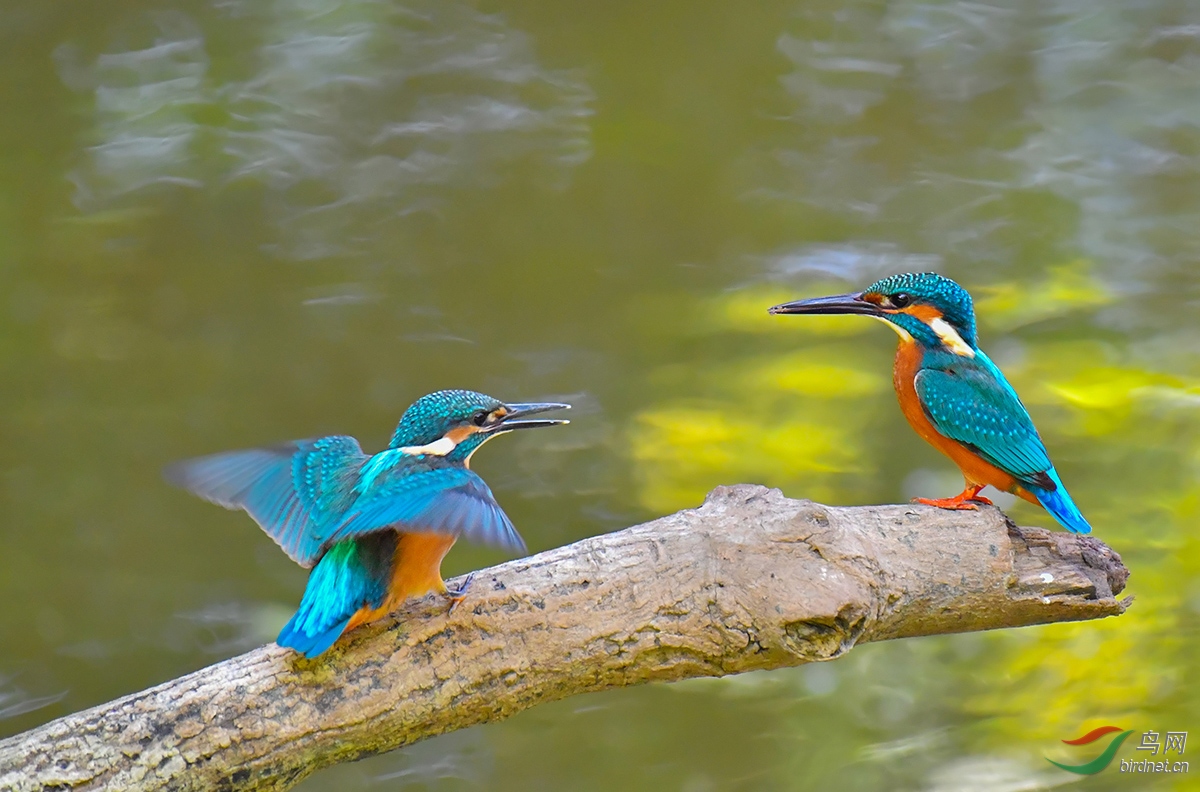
352	574
1059	504
293	637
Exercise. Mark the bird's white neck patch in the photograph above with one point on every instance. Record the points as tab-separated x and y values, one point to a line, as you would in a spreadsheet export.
439	447
950	337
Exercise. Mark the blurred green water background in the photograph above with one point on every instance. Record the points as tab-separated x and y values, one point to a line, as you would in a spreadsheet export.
232	223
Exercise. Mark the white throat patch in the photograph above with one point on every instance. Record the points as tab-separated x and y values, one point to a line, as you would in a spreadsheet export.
900	331
439	447
950	337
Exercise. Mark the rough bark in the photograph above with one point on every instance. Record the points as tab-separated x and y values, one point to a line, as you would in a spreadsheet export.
750	580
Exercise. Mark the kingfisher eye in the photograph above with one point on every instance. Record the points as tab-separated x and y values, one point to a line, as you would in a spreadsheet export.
479	418
900	300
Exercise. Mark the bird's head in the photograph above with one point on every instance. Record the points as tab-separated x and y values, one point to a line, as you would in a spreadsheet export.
926	307
453	423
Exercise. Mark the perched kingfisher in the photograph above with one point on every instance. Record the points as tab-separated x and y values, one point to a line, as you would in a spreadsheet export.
373	529
953	395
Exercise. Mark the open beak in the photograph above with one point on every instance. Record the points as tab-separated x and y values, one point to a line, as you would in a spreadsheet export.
837	304
516	412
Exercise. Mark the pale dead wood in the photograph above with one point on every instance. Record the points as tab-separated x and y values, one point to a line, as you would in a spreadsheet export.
750	580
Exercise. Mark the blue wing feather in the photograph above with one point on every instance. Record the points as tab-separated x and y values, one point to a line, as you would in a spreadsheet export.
309	494
969	400
442	500
290	490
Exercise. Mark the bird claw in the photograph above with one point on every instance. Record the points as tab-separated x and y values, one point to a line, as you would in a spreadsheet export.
954	504
967	500
457	596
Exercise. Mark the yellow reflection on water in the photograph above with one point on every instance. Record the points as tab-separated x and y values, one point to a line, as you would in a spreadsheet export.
1064	288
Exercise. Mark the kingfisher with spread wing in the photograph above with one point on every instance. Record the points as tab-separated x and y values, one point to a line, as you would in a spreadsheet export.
373	528
953	395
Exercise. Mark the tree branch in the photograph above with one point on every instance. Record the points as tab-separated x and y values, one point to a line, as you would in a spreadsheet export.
750	580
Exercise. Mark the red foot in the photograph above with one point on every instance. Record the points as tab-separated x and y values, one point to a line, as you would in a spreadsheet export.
968	499
456	597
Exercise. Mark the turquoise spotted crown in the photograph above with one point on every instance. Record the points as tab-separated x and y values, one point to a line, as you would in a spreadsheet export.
430	416
936	290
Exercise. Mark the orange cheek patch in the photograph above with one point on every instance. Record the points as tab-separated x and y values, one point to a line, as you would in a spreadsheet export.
926	313
460	433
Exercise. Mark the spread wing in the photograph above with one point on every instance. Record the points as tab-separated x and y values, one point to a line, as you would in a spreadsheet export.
291	490
447	500
970	401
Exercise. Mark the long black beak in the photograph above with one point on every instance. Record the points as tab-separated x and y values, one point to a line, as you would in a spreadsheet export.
837	304
517	411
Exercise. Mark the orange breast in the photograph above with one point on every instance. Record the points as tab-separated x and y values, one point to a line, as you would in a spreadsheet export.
975	469
416	571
